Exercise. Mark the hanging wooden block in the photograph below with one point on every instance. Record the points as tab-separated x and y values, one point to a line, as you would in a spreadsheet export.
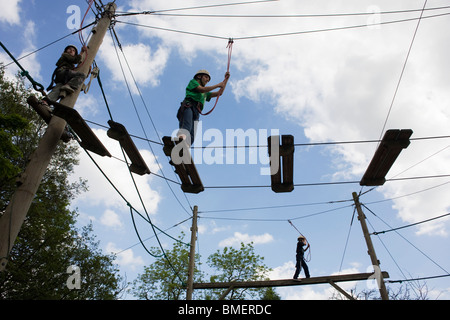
88	138
281	163
393	142
185	169
118	132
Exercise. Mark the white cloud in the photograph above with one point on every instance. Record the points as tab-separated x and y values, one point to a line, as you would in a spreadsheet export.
246	238
285	271
125	258
145	62
10	12
30	63
111	219
87	105
338	85
211	228
102	193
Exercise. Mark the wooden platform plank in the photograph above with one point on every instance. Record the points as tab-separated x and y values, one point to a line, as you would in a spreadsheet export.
88	139
190	179
118	132
393	142
289	282
283	179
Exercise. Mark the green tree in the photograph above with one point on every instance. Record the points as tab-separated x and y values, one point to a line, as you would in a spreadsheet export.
241	264
48	242
166	278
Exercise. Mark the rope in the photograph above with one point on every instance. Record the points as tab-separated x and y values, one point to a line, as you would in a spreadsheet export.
80	32
308	257
36	85
230	50
80	35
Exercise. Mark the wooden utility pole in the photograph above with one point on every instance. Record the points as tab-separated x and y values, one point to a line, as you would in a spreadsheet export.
16	212
192	255
371	249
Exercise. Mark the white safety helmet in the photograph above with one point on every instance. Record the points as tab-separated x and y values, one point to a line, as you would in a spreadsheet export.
203	72
71	46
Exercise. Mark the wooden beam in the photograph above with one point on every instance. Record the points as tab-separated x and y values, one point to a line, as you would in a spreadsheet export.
118	132
88	138
289	282
283	179
393	142
342	291
190	180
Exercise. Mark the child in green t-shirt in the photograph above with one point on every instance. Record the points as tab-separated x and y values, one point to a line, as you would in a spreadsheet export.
196	94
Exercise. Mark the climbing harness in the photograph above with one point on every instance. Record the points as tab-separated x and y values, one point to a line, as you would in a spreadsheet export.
230	50
308	256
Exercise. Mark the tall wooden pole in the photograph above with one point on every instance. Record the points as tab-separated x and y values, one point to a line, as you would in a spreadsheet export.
16	212
371	249
191	266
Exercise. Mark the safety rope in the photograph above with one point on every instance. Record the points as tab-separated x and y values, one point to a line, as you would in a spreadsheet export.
80	36
36	85
308	257
80	33
230	50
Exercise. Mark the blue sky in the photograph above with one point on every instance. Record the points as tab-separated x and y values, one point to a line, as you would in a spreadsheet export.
319	86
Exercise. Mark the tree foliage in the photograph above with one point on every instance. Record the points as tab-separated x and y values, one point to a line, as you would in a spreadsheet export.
166	278
238	265
48	242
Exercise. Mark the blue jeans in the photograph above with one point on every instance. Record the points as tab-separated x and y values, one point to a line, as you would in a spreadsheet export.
187	116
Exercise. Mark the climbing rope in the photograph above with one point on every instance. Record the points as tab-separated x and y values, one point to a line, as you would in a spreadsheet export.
308	256
230	50
80	32
80	36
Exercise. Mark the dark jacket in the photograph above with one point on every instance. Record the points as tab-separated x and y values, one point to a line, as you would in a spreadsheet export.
300	251
67	61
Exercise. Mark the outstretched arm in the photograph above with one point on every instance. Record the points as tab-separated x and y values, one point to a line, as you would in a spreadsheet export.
202	89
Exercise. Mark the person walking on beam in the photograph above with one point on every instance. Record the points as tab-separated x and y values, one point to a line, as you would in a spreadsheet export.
300	257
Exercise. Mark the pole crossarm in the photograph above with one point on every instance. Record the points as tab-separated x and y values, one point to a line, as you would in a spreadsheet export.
289	282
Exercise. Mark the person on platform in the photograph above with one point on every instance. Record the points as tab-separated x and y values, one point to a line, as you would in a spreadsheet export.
65	77
197	93
300	257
